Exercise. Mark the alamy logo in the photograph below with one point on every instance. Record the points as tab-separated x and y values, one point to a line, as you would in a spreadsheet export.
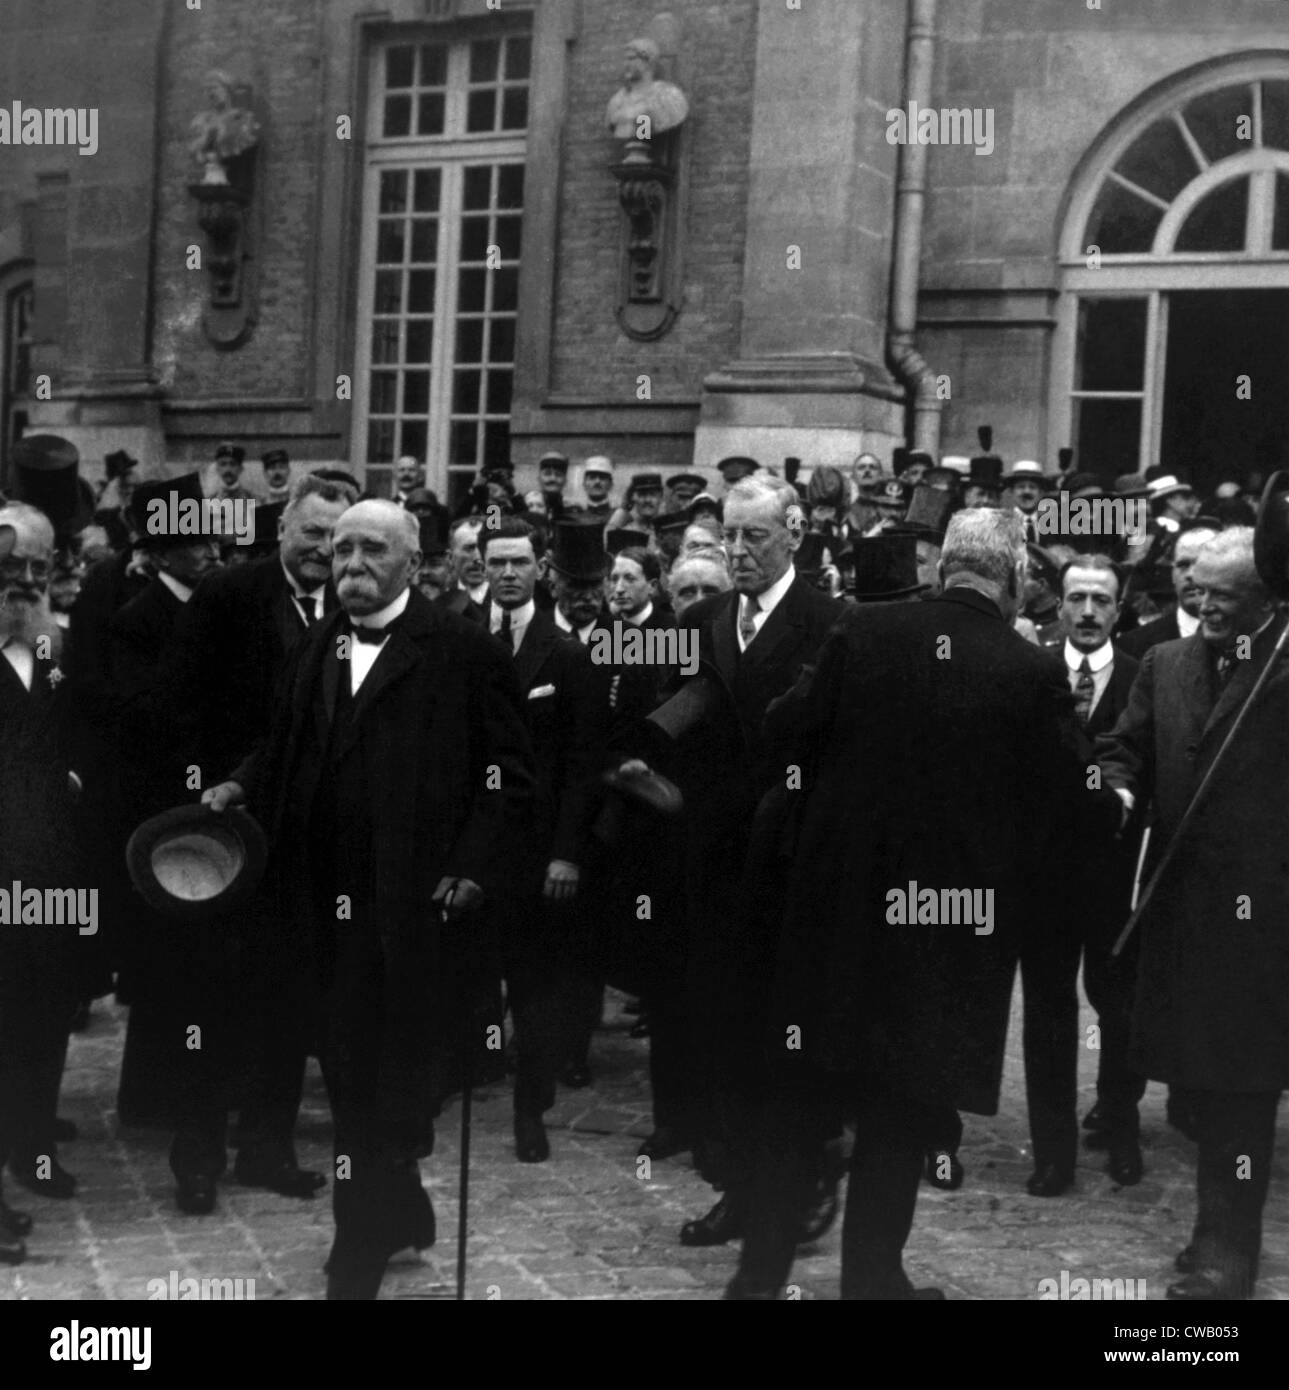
173	515
1101	1290
944	907
77	1343
951	125
50	907
1092	516
178	1290
628	645
50	125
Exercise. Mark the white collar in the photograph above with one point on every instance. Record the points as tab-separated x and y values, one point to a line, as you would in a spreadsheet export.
564	625
385	615
478	594
181	591
296	590
773	596
1186	625
1096	660
519	617
643	616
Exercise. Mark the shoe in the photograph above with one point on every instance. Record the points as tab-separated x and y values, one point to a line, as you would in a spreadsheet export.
819	1213
13	1249
1124	1161
13	1222
195	1194
722	1224
1188	1261
60	1184
1181	1115
739	1291
65	1131
935	1166
640	1029
664	1142
576	1076
1208	1285
531	1143
354	1280
1094	1119
899	1290
285	1178
1050	1181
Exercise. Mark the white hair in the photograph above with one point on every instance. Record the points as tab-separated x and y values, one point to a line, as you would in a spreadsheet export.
1233	546
756	489
22	516
986	543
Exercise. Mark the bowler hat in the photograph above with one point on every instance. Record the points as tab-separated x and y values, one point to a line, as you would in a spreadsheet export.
578	552
1271	535
47	476
736	466
194	863
885	566
624	538
119	462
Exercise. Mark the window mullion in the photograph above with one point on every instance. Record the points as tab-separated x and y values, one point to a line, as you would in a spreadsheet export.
445	299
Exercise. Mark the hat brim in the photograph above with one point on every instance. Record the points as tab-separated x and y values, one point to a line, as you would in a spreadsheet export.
195	864
889	593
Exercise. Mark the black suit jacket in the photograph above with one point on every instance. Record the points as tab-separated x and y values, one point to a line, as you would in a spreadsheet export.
229	655
947	755
460	603
1140	640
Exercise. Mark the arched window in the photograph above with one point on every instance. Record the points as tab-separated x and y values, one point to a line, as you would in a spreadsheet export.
1173	322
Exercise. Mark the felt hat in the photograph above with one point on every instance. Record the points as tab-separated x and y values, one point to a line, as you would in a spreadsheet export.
578	552
193	863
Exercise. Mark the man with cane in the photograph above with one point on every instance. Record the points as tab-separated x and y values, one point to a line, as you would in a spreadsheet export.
392	789
1205	737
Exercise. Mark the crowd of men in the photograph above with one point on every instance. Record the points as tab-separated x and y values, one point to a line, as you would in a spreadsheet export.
926	740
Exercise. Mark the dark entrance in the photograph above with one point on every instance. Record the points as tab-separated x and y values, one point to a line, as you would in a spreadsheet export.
1214	337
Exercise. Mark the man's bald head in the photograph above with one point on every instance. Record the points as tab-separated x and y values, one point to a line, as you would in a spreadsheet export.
376	554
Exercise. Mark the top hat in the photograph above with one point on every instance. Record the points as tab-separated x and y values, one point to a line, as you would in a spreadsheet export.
1023	469
194	863
47	476
274	456
578	552
118	462
226	449
1271	535
885	566
986	468
265	517
153	524
553	459
624	538
435	524
736	466
929	511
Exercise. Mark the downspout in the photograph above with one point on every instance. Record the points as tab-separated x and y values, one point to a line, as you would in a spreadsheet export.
910	199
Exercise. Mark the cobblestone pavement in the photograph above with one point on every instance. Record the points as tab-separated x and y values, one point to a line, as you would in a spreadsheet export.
584	1224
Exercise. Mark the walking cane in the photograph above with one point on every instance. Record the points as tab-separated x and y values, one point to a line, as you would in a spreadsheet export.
466	1043
1270	557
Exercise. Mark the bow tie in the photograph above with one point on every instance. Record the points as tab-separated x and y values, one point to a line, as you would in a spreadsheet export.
372	636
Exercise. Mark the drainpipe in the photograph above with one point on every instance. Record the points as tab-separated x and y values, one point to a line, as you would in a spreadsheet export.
910	198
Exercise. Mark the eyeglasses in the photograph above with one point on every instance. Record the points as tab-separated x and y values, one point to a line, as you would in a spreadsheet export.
14	567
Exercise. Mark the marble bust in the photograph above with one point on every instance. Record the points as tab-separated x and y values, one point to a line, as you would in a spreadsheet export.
644	95
222	131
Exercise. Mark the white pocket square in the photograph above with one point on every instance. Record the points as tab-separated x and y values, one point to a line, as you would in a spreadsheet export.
538	691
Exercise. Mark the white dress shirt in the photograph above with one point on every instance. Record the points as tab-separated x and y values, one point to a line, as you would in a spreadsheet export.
1187	626
1100	663
583	634
364	655
297	593
519	619
766	604
21	657
479	594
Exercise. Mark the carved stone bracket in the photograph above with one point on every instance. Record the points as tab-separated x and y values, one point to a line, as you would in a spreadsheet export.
649	297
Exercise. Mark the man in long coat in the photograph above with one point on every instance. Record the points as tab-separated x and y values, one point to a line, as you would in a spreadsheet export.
946	759
1213	973
393	791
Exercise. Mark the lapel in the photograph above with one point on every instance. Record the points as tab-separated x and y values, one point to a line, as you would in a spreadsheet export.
782	626
1237	689
1195	686
540	636
725	638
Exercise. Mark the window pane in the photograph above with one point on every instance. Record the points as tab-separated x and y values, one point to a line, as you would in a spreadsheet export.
470	340
434	64
519	49
1160	161
420	335
384	340
505	289
393	190
474	238
420	292
425	239
1219	223
478	185
483	60
1215	119
472	285
384	393
501	341
1121	222
398	115
507	233
481	111
389	242
425	190
1275	115
429	114
413	441
499	391
1107	436
1112	344
496	442
465	435
465	393
380	441
416	393
398	66
510	186
389	291
514	108
459	484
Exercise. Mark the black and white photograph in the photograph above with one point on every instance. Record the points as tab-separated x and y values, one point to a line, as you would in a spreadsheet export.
644	657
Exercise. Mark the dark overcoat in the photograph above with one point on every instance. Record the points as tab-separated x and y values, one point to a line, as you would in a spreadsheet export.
1213	974
946	754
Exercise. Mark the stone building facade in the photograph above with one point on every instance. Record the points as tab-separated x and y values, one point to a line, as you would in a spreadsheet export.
433	244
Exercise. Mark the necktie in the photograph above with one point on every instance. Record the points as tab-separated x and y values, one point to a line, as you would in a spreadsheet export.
747	625
372	636
1225	668
1085	688
309	606
504	630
